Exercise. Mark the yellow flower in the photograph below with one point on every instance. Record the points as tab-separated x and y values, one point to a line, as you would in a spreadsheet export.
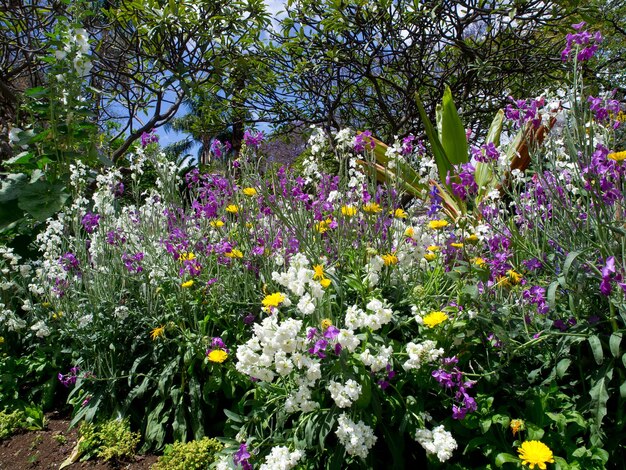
456	245
473	238
1	339
430	256
318	271
323	225
372	208
186	256
249	191
390	259
326	323
480	262
216	223
437	224
232	208
234	253
348	211
157	332
45	304
399	213
617	156
409	232
187	284
516	426
433	248
273	300
325	283
217	355
535	453
434	318
514	277
57	315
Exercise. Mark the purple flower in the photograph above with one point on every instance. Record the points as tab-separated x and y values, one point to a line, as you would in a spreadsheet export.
241	457
319	348
149	138
363	141
90	222
253	140
69	262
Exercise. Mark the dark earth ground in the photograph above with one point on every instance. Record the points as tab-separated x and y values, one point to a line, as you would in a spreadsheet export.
47	449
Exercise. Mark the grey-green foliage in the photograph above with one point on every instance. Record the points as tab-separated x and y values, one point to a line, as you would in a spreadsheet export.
9	423
111	440
194	455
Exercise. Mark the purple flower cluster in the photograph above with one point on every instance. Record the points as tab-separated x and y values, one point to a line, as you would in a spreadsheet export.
90	222
116	237
132	262
610	275
465	185
69	378
69	262
523	111
537	295
253	139
362	141
435	201
584	42
149	138
389	374
322	341
453	380
486	153
241	457
220	149
604	109
603	176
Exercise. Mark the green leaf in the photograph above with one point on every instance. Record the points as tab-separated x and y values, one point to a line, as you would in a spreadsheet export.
562	366
596	349
42	199
599	398
503	458
442	160
495	130
12	186
614	342
452	136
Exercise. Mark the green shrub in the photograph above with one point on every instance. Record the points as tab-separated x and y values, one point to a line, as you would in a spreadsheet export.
194	455
112	440
9	423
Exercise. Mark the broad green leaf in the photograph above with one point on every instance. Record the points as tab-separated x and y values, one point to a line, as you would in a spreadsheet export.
442	160
42	199
599	398
12	186
495	130
503	458
452	135
614	342
596	349
562	366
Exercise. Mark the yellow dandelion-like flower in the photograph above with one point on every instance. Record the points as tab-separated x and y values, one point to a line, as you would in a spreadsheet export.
323	225
409	232
456	245
437	224
232	209
57	315
430	256
157	332
534	453
516	426
617	156
234	253
273	300
326	323
186	256
45	304
390	259
473	238
399	213
216	223
372	208
348	211
187	284
514	276
318	271
433	248
325	283
217	355
434	318
249	191
480	262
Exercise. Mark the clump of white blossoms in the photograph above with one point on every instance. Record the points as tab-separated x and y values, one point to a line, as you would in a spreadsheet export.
421	353
344	395
379	361
280	458
437	442
379	315
357	438
300	280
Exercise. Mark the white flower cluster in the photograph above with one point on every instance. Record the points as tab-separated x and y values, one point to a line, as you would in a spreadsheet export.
9	320
274	349
421	353
379	361
379	316
394	154
373	269
317	143
357	438
77	47
280	458
41	329
300	399
299	280
437	442
344	395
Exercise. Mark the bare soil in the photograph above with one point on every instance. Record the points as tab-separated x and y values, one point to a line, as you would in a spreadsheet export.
48	448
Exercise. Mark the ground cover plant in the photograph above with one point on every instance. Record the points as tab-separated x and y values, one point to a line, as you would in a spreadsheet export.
432	302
